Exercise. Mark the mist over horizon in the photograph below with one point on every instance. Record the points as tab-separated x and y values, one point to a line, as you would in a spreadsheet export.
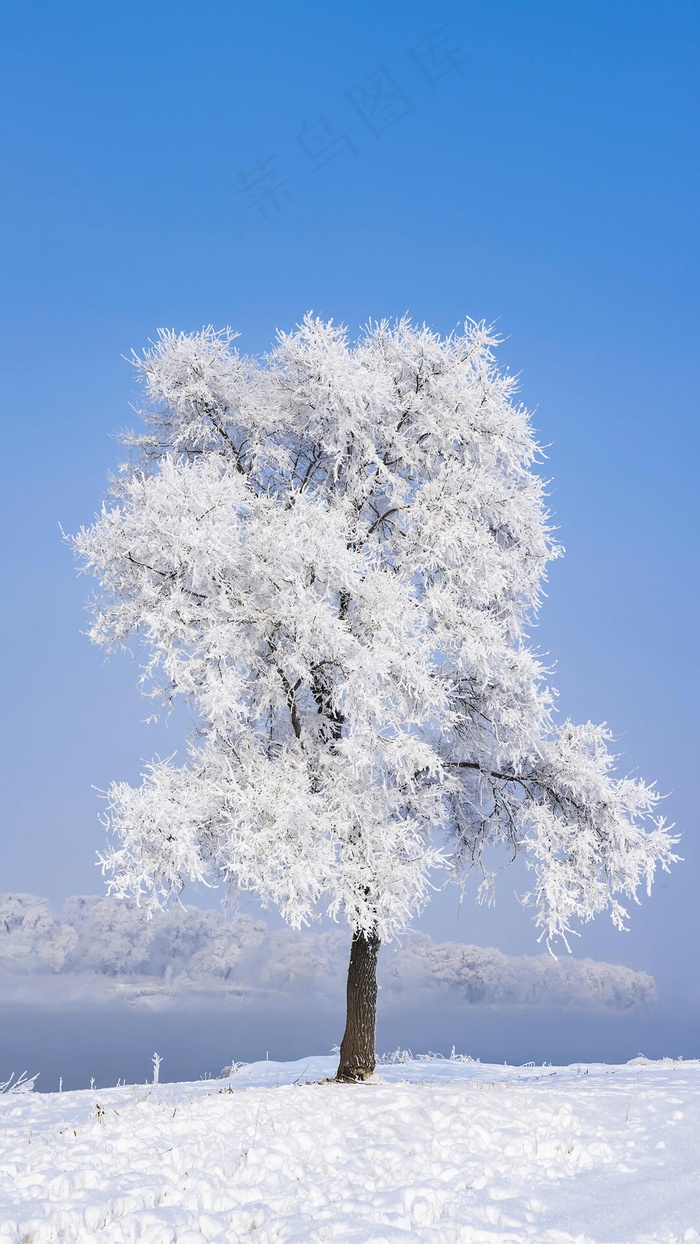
92	988
110	949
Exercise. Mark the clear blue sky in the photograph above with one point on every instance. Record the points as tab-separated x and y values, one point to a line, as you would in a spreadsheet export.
174	164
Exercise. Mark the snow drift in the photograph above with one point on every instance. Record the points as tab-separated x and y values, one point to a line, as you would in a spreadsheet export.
439	1152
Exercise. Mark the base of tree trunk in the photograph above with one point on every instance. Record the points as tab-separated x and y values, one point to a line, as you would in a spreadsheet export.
357	1056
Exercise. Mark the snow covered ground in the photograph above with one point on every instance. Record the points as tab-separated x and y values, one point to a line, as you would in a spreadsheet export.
439	1150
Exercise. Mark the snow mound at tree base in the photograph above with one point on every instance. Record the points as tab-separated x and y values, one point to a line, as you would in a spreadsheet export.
441	1150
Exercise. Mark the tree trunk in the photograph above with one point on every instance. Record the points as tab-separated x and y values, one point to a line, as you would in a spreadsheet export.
357	1057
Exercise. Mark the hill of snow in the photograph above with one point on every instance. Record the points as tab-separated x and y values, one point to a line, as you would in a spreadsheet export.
443	1151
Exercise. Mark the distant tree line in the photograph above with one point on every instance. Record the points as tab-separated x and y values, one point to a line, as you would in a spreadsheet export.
113	939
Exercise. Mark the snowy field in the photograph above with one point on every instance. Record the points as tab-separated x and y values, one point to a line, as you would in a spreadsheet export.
439	1150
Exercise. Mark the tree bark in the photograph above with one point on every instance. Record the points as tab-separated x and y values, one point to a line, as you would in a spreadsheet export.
357	1056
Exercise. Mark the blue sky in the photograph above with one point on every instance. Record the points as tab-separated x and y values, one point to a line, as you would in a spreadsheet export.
533	165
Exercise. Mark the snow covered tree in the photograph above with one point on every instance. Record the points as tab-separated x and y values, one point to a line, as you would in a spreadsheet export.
333	554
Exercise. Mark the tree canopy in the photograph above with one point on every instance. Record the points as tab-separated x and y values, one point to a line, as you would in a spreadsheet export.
335	554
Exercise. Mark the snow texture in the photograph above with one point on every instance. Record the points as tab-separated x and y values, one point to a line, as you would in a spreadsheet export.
449	1152
109	947
334	555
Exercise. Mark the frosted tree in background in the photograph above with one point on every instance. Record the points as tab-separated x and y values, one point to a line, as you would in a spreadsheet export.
333	554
